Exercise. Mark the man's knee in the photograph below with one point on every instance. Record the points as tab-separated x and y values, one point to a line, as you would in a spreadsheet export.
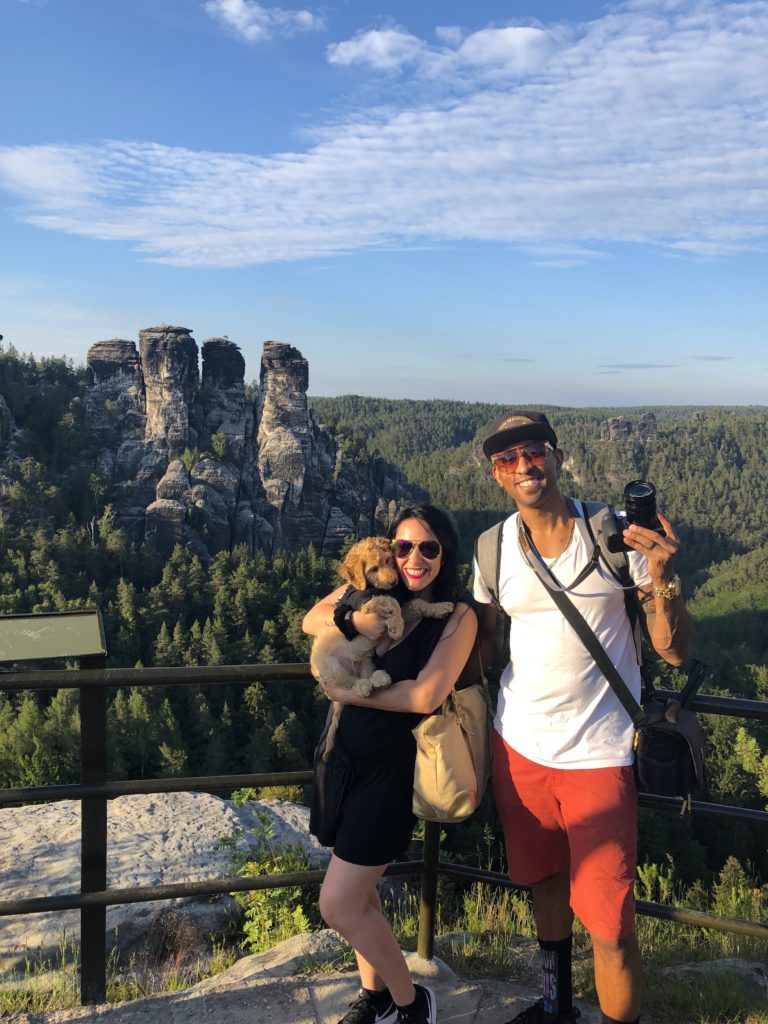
620	952
556	884
551	906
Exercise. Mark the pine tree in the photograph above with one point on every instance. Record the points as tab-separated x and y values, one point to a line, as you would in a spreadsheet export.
163	652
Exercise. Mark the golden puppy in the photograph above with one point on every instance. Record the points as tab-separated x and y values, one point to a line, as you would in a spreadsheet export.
369	565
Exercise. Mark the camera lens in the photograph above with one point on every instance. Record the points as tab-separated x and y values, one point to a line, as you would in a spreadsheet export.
639	490
640	504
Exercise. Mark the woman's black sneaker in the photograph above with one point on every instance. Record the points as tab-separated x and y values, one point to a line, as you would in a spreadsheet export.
423	1010
536	1014
362	1010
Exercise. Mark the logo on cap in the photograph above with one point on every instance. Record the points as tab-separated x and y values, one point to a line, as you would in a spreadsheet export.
511	420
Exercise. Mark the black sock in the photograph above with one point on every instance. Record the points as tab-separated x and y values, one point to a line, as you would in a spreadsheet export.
605	1019
380	998
556	968
414	1004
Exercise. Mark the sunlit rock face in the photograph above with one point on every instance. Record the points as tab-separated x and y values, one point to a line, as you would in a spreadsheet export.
169	363
615	428
151	840
295	457
193	461
115	405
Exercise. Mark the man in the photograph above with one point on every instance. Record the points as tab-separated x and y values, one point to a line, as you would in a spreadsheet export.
563	744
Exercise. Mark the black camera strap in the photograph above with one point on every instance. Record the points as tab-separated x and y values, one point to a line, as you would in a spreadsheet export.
596	649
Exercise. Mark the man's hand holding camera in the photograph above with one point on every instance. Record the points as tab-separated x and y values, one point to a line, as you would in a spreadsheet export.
666	622
658	549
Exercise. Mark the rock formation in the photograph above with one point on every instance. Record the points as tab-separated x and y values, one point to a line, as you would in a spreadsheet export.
169	365
619	428
151	840
194	461
223	395
646	427
615	429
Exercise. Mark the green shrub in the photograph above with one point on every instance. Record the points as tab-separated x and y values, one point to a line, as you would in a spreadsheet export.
273	915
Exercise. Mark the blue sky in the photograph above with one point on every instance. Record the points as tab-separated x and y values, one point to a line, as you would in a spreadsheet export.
531	201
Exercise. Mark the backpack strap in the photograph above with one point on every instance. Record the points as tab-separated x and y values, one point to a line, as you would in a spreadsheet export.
617	562
488	560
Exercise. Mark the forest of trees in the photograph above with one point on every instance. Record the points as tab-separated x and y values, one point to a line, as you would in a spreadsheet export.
60	548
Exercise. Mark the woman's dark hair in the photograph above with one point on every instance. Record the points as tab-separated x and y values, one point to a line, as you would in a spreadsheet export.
443	525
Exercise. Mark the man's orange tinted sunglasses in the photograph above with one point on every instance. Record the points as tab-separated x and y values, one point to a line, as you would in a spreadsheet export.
535	452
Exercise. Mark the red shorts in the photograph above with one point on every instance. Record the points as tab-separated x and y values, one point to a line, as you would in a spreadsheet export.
580	819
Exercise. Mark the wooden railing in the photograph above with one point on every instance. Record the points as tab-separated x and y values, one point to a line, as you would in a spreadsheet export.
94	791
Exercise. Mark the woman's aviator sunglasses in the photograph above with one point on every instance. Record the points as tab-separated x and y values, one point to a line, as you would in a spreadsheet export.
535	453
429	549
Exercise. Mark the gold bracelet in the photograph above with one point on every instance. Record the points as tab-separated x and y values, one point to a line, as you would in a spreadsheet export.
669	591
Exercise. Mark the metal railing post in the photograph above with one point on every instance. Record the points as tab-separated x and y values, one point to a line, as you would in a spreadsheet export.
93	837
428	903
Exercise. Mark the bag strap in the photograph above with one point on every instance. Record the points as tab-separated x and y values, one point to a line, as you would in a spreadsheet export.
595	648
594	513
697	674
617	563
483	679
481	683
488	559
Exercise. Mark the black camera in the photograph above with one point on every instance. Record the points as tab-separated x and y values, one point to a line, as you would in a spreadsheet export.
640	510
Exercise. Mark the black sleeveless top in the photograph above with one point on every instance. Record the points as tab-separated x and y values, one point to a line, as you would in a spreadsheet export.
369	732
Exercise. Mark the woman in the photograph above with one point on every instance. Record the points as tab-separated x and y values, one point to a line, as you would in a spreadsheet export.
362	802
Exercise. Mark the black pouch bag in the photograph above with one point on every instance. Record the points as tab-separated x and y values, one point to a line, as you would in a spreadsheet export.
670	746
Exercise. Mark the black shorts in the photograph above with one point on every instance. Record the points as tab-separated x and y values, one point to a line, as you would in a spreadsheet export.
363	807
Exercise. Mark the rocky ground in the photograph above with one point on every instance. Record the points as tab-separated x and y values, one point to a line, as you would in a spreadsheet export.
299	982
293	984
152	840
176	837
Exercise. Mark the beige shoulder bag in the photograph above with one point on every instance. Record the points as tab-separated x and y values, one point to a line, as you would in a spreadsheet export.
453	756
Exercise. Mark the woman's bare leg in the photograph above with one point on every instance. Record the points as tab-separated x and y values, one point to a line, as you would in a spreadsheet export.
348	906
368	976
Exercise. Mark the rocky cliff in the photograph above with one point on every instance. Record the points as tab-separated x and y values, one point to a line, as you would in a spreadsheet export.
7	426
191	459
619	428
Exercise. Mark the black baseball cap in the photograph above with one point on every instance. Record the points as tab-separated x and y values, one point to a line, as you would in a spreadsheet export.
516	426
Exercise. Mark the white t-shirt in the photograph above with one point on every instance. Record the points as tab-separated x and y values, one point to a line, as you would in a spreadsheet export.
555	706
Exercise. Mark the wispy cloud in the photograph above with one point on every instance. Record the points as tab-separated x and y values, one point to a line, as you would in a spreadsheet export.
564	255
511	50
610	367
451	34
714	359
254	22
645	126
507	51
